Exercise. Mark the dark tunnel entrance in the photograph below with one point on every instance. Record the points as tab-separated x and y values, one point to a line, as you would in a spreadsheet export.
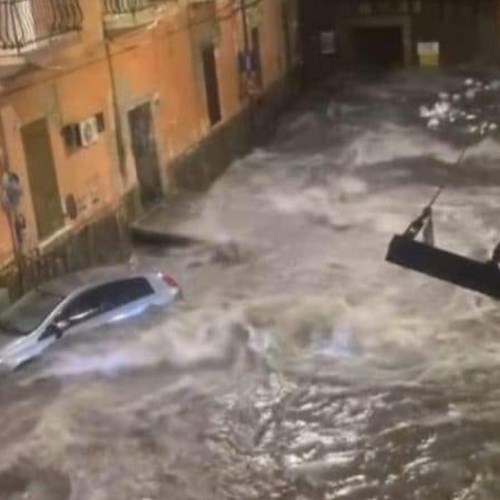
380	46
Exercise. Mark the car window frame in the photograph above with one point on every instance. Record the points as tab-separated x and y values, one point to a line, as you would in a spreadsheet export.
62	314
102	293
41	292
123	287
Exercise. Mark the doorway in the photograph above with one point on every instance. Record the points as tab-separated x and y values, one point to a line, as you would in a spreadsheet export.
145	152
42	178
379	46
211	84
255	36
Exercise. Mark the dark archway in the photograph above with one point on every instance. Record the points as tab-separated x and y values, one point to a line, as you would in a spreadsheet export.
380	46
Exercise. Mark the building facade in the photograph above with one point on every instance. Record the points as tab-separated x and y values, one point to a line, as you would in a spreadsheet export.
108	105
398	32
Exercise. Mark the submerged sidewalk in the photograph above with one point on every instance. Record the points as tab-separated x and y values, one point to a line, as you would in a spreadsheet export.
173	221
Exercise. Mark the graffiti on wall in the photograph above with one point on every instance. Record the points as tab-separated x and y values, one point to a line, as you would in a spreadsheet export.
11	193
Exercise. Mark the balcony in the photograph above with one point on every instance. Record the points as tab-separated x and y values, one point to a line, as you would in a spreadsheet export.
126	15
31	27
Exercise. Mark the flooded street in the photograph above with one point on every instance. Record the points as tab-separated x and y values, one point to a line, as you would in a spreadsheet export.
300	365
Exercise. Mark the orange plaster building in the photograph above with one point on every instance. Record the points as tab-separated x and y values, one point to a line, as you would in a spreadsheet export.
107	106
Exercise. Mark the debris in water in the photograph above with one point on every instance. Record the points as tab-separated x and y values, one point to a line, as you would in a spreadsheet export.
425	112
228	253
470	94
433	123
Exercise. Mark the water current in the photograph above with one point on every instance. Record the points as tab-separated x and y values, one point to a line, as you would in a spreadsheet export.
300	365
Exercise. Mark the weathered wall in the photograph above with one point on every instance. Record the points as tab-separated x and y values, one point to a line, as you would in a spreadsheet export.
135	82
160	65
85	173
5	239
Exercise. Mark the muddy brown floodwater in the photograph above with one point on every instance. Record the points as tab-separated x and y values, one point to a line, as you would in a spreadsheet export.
300	365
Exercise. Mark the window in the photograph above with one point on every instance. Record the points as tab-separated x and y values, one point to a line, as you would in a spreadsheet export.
28	313
105	298
211	84
82	308
121	293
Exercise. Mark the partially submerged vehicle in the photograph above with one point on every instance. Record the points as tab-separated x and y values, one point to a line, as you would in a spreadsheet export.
76	303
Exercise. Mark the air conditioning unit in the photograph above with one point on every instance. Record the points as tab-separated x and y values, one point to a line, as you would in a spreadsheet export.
89	131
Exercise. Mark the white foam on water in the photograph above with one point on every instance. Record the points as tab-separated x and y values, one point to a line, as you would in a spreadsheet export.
320	301
392	142
488	148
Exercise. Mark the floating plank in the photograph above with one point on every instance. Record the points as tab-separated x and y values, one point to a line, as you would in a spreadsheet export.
482	277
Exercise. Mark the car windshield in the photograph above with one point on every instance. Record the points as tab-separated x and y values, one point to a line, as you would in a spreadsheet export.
28	313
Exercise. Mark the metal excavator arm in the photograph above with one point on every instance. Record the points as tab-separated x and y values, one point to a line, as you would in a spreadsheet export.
422	256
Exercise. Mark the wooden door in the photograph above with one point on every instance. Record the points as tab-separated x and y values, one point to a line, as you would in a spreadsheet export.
42	178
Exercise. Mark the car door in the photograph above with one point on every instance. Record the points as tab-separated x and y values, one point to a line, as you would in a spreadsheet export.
78	314
47	337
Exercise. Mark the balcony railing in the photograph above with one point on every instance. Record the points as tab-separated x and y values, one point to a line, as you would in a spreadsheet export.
24	23
127	6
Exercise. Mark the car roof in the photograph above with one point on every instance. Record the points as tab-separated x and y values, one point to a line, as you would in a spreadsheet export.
87	278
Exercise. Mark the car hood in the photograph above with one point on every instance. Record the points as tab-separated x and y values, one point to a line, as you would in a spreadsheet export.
6	339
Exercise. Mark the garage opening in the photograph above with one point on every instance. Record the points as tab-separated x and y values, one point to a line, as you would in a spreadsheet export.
380	46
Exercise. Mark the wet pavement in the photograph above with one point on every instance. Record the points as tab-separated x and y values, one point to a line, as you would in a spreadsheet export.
300	365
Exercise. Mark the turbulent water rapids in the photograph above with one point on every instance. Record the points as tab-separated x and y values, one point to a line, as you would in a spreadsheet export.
300	365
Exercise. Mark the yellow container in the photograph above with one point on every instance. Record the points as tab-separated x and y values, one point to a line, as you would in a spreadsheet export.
428	53
429	60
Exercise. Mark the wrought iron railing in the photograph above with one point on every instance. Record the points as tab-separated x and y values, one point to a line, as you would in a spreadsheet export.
36	268
127	6
24	23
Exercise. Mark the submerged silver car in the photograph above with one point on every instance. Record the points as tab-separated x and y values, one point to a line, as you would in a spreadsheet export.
75	303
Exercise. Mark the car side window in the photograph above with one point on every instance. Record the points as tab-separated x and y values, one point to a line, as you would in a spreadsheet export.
82	307
105	298
123	292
